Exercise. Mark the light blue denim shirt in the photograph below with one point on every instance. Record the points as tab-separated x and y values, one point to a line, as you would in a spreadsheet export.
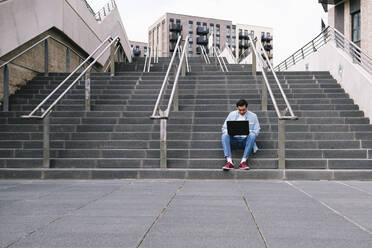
254	125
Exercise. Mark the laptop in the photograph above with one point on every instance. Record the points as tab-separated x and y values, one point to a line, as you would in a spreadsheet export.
238	127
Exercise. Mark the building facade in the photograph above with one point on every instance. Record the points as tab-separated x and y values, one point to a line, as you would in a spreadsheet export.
139	48
164	33
353	18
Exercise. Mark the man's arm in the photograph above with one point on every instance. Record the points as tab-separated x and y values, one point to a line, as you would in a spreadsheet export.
256	126
224	126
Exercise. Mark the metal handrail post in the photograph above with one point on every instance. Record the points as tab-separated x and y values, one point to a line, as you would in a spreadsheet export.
46	57
264	92
254	61
163	142
112	59
87	91
149	63
6	89
147	55
46	141
281	144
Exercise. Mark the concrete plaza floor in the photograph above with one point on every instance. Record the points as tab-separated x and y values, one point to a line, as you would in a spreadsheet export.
178	213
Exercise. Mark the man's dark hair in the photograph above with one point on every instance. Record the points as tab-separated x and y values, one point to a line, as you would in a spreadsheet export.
242	102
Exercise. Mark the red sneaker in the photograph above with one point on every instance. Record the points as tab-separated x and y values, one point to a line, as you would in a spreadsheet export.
244	166
228	166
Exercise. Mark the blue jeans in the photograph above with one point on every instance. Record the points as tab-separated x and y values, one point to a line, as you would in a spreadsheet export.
229	142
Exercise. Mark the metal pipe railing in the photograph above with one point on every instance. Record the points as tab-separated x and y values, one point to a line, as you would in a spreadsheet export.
329	34
216	57
6	72
266	87
45	114
263	51
231	53
204	55
223	61
163	115
165	81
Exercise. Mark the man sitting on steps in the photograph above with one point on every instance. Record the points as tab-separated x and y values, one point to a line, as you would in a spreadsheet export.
240	141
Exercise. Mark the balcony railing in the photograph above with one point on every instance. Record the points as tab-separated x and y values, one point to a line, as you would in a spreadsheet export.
202	30
175	27
202	40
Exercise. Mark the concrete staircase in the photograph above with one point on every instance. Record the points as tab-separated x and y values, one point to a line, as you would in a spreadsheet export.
117	139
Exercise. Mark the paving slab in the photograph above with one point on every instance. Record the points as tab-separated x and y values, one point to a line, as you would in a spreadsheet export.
351	203
290	218
205	214
185	213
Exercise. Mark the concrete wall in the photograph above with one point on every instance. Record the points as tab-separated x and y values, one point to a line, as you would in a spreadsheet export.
22	23
353	78
366	23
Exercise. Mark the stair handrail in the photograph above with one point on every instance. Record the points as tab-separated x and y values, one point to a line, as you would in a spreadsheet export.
48	110
244	55
231	53
288	105
46	64
205	55
147	65
165	81
328	34
173	100
105	10
37	43
223	61
109	63
45	116
265	63
218	59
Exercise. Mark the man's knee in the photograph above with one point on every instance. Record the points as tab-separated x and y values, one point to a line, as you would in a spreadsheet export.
252	135
225	136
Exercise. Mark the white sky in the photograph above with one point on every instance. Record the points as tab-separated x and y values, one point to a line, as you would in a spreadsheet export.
295	22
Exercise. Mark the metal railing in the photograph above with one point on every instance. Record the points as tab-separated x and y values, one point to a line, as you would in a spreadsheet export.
45	40
231	53
45	114
266	66
329	34
223	61
217	58
204	54
163	115
105	10
244	55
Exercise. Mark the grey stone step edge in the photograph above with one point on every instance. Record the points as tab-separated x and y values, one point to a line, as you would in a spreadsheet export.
185	174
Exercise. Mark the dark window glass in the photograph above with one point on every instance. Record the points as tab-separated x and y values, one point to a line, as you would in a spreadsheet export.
356	26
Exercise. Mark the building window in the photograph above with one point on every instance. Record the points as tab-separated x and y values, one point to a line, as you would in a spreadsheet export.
191	26
178	21
233	42
217	29
268	35
198	24
356	26
262	34
252	34
233	31
218	41
204	24
227	31
211	28
228	41
171	20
